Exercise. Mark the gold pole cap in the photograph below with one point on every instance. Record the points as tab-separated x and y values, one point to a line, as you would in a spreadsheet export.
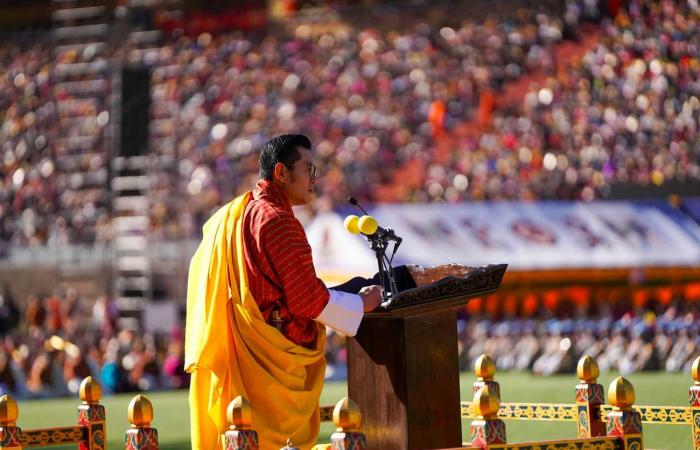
289	446
240	414
8	411
140	412
621	393
347	415
695	370
484	368
90	391
587	369
486	403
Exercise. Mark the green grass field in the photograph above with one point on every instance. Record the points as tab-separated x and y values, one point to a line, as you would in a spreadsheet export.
172	421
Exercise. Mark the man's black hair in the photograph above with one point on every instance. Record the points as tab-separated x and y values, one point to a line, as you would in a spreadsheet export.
281	149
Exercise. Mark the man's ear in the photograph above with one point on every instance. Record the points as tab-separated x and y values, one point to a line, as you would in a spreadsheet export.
281	173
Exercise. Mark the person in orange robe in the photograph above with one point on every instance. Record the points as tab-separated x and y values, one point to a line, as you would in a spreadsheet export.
256	310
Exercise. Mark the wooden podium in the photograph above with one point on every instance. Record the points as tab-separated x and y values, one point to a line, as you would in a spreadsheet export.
402	364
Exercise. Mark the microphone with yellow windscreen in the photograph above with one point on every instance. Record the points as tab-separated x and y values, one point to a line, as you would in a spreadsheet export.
379	239
368	225
351	224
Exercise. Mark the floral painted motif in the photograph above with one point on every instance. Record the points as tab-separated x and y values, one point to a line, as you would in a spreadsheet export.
141	439
241	440
10	437
348	441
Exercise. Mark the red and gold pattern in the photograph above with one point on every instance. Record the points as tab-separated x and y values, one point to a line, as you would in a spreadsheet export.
326	413
10	438
590	393
347	417
141	439
579	444
528	411
695	408
53	436
10	433
621	423
277	254
483	433
91	413
352	440
589	397
677	415
627	425
695	395
92	417
241	440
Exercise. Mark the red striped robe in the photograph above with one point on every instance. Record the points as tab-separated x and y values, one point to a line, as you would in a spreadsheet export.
279	264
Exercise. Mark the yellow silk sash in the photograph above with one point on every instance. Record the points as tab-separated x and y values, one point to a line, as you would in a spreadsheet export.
231	351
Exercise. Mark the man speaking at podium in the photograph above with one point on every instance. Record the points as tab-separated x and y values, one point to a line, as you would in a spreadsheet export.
256	310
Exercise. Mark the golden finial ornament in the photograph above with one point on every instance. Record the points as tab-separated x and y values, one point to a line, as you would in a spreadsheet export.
621	393
240	414
695	371
587	369
8	411
486	403
347	415
289	446
484	368
140	412
90	391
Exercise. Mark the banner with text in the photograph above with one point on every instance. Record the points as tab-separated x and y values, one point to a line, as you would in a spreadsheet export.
541	235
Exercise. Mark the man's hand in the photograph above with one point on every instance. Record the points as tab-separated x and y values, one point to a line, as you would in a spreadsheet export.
371	297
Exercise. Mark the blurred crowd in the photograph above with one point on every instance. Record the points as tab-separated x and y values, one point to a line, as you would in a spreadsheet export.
50	344
369	99
627	112
28	190
644	339
53	164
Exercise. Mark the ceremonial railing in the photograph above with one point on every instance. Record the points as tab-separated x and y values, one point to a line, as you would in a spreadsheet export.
345	414
600	426
89	434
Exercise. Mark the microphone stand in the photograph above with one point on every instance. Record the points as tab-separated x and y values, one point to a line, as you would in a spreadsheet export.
379	245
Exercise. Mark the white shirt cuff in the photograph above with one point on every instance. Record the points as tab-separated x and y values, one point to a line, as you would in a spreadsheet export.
343	312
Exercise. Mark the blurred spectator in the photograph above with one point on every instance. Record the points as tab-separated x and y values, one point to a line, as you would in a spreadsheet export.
410	115
628	113
632	342
40	359
36	362
9	313
369	99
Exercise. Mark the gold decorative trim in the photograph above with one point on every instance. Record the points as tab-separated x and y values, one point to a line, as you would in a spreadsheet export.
528	411
46	437
327	413
605	443
671	415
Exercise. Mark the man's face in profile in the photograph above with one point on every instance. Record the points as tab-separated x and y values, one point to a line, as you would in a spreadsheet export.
301	183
